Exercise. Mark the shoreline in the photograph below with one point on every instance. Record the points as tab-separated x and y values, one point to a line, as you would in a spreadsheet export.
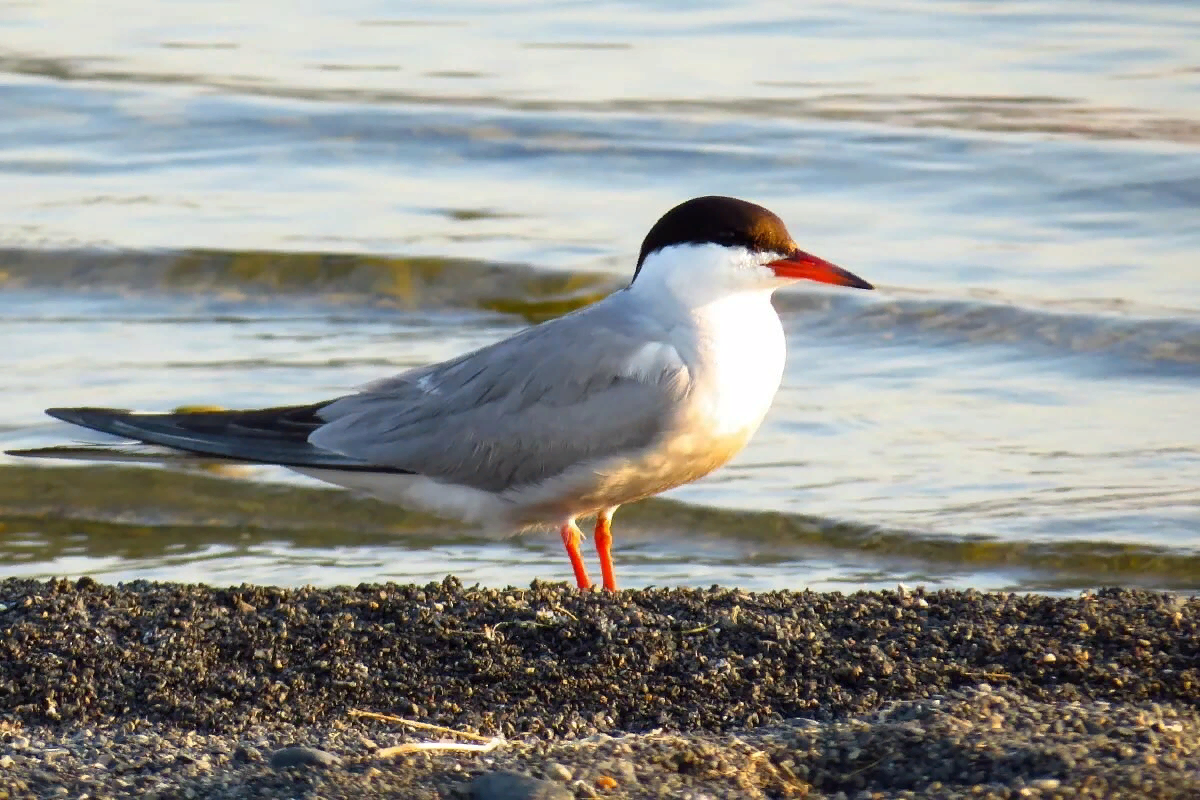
170	690
104	512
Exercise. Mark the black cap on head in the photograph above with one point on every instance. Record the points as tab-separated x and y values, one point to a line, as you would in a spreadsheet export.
721	220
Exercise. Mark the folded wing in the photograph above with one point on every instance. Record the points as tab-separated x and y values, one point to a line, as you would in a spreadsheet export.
579	389
576	390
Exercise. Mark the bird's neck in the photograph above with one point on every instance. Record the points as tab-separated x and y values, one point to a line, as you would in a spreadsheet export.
700	299
702	302
697	276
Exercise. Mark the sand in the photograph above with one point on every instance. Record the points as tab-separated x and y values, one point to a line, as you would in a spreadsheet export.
167	690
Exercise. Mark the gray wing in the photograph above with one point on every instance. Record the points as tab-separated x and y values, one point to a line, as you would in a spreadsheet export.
595	383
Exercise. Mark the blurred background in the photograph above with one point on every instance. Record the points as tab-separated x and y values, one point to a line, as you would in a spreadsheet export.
258	203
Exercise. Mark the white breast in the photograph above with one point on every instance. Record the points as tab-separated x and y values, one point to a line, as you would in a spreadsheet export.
742	354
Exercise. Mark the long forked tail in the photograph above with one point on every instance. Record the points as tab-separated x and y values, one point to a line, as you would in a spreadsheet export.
262	436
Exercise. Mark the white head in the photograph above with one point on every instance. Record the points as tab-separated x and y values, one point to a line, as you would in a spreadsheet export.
712	247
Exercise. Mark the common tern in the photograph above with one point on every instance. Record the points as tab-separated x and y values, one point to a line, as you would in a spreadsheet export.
652	387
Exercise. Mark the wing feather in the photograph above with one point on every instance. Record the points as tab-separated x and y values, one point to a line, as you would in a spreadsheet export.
522	410
265	435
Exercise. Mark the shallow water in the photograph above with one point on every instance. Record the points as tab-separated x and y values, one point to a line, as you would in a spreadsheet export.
220	203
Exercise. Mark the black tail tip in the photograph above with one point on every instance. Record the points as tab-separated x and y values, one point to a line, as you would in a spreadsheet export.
77	416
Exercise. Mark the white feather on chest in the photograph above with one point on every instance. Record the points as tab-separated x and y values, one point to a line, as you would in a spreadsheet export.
742	351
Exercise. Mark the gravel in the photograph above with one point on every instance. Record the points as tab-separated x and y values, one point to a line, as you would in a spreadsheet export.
168	690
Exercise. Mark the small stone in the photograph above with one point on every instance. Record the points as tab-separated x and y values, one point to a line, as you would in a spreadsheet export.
300	756
625	771
6	761
606	783
1049	658
245	752
584	789
1046	784
559	772
515	786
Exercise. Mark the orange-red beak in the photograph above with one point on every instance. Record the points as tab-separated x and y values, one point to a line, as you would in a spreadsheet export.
810	268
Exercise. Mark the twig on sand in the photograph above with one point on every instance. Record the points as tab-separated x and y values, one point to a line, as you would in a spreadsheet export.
480	744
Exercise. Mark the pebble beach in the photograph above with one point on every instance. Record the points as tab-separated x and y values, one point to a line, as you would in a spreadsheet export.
443	691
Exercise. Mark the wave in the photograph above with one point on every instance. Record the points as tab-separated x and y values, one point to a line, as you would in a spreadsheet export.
1015	114
334	278
1139	339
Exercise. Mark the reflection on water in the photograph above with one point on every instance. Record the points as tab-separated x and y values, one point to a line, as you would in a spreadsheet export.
410	283
212	530
201	210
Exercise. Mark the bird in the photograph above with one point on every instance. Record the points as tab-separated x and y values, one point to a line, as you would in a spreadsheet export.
652	387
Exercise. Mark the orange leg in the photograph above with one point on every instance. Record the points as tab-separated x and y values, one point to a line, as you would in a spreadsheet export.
604	547
571	536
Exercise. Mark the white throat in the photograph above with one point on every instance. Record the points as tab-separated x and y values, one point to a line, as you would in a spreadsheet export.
698	274
725	293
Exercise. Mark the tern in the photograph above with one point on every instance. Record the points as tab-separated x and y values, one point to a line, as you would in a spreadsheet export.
656	385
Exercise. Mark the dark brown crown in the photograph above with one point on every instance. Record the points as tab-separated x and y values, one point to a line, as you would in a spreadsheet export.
721	220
